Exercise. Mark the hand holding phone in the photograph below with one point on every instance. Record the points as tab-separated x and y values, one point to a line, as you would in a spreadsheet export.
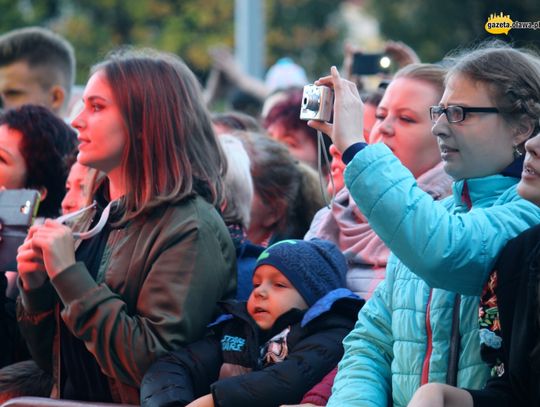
370	64
18	208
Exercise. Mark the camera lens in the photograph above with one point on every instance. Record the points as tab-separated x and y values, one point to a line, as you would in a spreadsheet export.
311	102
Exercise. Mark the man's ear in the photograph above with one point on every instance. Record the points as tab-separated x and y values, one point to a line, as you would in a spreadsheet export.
58	95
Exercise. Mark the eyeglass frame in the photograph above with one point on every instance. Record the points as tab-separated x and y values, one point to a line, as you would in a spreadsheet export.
464	109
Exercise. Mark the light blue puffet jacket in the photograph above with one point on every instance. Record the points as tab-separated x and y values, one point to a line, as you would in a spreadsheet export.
434	244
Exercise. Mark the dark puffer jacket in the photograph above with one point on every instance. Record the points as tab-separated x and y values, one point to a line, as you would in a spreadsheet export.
240	365
515	383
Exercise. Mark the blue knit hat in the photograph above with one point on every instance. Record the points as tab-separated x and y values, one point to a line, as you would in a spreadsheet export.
314	267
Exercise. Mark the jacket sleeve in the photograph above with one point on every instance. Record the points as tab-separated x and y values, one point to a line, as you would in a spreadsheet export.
182	376
35	317
454	252
320	393
497	393
285	382
189	270
364	373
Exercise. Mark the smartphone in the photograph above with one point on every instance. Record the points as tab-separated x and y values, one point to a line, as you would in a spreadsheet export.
18	209
370	64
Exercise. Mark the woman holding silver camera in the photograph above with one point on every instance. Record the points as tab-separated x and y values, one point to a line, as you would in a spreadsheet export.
403	125
140	272
413	331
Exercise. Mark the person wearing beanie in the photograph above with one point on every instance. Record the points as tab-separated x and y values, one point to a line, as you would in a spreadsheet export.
271	349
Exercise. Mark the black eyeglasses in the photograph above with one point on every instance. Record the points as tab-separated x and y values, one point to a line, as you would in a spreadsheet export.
456	114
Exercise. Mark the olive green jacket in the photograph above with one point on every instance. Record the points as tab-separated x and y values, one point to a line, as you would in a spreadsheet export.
156	290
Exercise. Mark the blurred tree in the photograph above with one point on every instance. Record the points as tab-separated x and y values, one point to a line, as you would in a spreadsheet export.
435	28
306	31
185	27
300	29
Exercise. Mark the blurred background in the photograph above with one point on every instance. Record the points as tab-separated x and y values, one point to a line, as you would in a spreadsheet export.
311	32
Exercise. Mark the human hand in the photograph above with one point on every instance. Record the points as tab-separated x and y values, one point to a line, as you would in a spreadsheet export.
30	264
299	405
401	53
55	241
348	121
224	61
440	395
204	401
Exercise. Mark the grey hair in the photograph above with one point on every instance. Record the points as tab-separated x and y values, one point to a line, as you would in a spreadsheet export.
238	188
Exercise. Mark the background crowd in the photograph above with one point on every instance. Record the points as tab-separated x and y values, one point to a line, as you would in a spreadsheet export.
185	256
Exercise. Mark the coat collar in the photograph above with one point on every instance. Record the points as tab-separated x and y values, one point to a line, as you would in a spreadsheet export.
482	190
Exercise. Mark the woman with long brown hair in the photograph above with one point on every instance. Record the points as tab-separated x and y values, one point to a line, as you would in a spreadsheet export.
102	299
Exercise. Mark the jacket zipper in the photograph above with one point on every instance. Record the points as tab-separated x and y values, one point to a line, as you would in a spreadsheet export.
429	350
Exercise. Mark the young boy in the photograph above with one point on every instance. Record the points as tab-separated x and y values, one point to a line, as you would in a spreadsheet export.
273	349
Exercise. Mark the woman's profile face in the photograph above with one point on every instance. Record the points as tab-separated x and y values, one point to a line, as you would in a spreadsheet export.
12	164
529	185
76	189
480	145
102	134
337	167
404	125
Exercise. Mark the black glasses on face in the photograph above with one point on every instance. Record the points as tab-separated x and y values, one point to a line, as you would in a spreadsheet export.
456	114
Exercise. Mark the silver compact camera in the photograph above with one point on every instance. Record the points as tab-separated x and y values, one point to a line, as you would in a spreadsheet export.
317	103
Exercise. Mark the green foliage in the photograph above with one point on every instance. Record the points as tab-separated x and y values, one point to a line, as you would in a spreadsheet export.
300	29
184	27
433	28
304	30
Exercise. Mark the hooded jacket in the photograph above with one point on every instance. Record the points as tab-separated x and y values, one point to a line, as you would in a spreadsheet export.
516	374
240	365
347	227
403	334
157	286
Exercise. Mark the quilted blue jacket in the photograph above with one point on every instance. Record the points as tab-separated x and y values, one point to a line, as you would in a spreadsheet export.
402	336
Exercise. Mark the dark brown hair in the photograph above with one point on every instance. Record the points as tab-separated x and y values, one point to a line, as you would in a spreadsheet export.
43	50
172	151
512	76
287	112
283	183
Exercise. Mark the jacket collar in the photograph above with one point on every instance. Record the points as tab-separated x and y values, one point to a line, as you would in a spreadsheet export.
488	187
482	190
325	303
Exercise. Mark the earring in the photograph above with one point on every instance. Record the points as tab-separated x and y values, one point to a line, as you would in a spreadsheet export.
516	151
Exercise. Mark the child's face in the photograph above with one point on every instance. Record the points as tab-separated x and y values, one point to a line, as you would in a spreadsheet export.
272	295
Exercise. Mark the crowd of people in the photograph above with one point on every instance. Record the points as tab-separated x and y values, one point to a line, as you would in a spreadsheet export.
182	256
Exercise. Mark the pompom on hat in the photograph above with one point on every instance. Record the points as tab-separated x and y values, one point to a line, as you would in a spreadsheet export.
285	74
314	267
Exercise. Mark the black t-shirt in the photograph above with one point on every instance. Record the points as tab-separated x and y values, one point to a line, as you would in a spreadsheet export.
82	378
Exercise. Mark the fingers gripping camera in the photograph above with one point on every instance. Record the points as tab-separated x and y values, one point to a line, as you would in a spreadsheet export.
317	103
